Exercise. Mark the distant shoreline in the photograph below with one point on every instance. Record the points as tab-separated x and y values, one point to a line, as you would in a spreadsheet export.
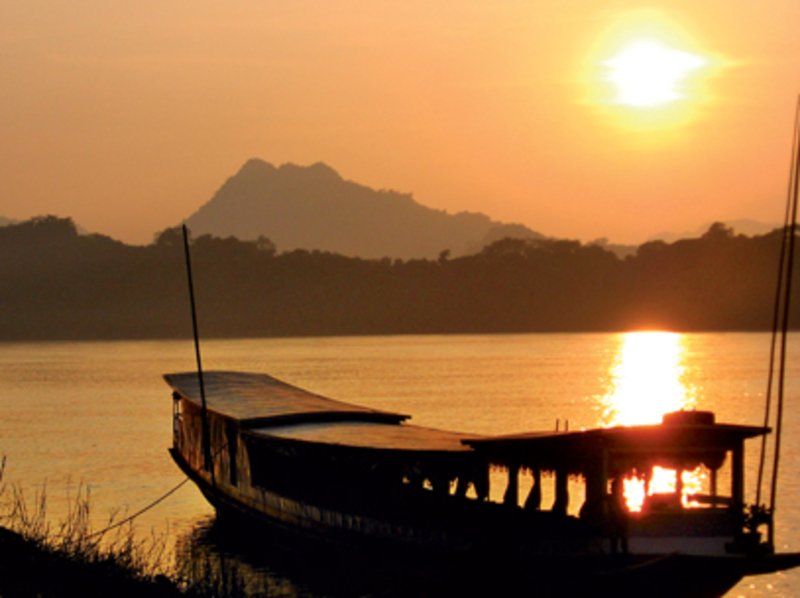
59	285
189	339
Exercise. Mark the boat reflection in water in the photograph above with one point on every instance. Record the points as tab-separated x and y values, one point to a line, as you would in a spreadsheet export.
235	560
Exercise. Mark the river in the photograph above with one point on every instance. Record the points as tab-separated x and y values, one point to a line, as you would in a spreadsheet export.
96	416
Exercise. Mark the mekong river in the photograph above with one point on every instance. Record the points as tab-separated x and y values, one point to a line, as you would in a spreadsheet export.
97	415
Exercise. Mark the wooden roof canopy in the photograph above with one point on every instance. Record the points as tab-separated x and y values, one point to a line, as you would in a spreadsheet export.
369	436
259	400
268	408
687	437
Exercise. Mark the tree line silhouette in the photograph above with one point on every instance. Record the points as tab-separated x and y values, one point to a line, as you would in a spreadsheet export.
58	284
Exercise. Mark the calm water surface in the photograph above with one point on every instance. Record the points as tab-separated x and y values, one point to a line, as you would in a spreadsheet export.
97	415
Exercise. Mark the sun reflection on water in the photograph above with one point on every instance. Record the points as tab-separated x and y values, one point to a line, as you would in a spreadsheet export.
647	382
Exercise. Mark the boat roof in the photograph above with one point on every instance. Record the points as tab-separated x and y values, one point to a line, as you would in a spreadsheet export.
270	408
259	400
684	434
370	435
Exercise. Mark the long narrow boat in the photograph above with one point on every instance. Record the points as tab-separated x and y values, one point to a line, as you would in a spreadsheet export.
366	479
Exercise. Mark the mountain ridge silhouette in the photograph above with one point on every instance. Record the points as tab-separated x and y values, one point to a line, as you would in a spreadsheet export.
314	208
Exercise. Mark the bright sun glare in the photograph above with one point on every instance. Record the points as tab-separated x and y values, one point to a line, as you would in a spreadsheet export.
647	73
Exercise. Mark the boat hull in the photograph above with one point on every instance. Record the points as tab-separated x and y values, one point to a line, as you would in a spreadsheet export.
506	570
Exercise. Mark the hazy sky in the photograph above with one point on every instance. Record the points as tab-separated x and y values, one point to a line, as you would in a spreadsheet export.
127	116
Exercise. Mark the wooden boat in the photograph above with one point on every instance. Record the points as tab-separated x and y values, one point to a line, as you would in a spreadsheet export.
366	479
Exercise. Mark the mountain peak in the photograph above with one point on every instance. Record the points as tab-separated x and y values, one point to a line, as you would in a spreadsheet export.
255	167
314	208
319	171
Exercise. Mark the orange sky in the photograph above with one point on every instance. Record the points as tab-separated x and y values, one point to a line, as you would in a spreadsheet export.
127	116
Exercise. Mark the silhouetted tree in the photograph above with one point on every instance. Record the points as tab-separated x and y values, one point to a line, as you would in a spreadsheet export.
169	237
718	231
264	245
59	284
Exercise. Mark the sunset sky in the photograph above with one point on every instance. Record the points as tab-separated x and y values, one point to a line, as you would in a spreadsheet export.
579	119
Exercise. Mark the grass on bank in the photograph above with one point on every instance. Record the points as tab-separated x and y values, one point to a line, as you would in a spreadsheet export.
42	560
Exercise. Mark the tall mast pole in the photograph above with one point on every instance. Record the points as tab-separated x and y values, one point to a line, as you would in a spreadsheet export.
776	311
790	236
209	462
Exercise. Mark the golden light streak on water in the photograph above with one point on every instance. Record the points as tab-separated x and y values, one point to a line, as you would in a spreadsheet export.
647	382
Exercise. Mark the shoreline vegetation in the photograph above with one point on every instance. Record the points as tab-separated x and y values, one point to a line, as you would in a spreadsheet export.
39	560
61	285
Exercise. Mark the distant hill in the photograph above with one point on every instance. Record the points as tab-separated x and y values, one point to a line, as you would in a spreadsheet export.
744	226
58	284
10	221
314	208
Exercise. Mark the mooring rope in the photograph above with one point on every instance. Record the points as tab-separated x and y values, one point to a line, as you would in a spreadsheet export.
140	512
143	510
206	444
128	519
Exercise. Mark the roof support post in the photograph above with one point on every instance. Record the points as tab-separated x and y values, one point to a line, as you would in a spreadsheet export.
738	476
562	492
482	482
534	500
512	490
597	477
714	491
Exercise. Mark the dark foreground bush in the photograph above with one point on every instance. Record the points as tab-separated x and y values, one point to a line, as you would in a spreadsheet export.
29	568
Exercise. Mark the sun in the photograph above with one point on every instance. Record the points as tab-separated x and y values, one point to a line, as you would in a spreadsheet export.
648	74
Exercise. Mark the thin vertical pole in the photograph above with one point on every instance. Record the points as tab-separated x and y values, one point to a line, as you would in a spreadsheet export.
209	463
790	248
776	313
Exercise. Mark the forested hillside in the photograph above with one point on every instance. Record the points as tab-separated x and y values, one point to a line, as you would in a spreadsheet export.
57	284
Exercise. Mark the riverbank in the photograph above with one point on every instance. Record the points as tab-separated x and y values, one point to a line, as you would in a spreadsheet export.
27	568
40	559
